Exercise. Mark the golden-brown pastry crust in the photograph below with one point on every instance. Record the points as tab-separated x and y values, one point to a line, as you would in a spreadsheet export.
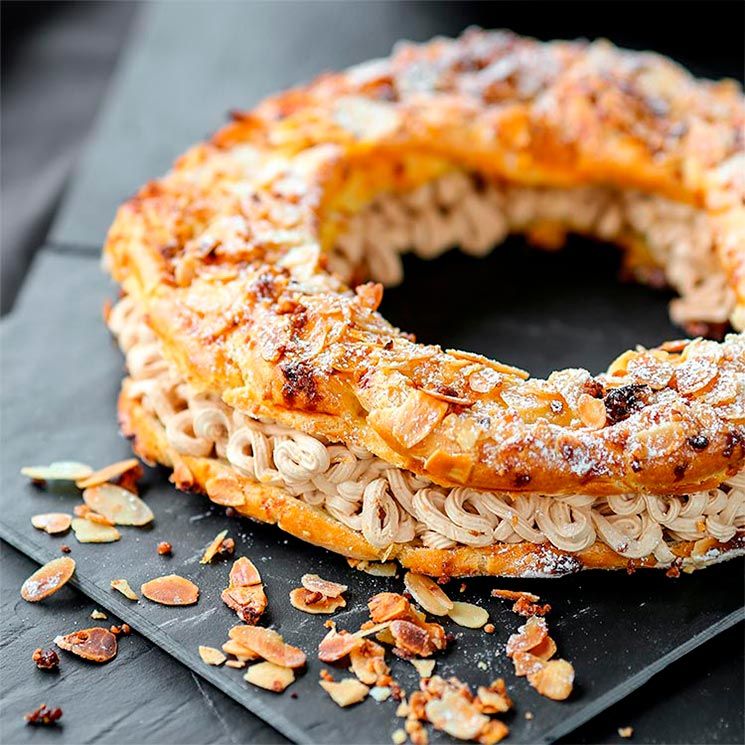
224	486
225	256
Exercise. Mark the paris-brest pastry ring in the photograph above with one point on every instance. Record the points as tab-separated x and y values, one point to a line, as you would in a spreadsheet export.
262	373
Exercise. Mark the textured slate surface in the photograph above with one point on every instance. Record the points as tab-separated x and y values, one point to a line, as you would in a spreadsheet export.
618	630
191	63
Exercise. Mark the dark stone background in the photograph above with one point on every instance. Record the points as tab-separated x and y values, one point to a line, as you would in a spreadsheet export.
57	62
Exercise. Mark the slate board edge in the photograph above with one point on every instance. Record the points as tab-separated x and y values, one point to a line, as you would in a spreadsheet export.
127	612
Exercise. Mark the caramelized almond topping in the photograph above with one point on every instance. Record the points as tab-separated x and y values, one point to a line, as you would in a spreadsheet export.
108	473
387	606
337	644
244	573
211	551
554	680
49	578
211	656
123	586
249	603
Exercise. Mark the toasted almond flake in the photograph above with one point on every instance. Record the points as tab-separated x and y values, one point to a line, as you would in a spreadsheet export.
238	650
222	490
385	636
527	663
62	470
268	644
244	573
336	645
123	586
428	594
249	603
95	644
469	615
211	656
374	568
494	699
455	715
378	627
212	549
314	583
87	531
84	511
300	597
554	680
545	650
515	595
46	580
270	676
117	504
423	667
530	635
625	732
398	737
368	663
98	615
387	606
591	411
108	473
52	522
380	693
345	692
171	589
238	664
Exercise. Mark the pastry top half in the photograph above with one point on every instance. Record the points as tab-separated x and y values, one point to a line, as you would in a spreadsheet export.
246	259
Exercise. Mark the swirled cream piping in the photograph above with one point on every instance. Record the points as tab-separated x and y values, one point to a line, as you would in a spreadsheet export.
388	505
458	210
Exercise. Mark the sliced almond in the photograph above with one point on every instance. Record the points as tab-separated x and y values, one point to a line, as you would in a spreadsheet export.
123	586
591	411
87	531
428	594
95	644
545	650
270	676
213	548
527	663
515	595
423	667
494	699
62	470
368	663
530	635
554	680
118	504
211	656
372	629
237	664
380	693
84	511
49	578
52	522
238	650
387	606
244	573
249	603
311	602
269	645
374	568
456	715
98	615
171	589
345	692
313	583
411	638
108	473
337	644
469	615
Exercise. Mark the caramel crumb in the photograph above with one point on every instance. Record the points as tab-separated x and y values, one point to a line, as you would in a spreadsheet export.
625	732
489	628
165	548
43	716
65	548
45	659
326	675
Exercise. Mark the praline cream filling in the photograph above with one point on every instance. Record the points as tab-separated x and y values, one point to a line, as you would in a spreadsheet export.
461	210
389	505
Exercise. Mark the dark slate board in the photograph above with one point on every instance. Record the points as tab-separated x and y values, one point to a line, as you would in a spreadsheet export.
191	63
61	374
